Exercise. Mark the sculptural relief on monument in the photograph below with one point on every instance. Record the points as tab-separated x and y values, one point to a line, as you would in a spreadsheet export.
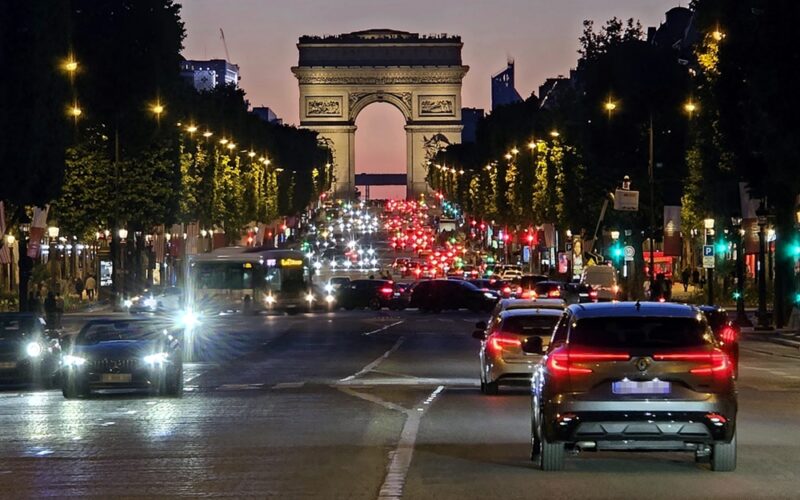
324	106
435	105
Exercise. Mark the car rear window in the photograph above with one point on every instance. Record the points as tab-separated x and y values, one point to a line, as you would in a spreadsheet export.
639	332
602	278
545	287
529	325
529	281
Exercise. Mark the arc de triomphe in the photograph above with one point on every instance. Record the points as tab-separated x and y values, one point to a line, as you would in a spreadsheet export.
420	75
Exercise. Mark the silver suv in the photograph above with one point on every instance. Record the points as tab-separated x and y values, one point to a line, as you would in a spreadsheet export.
633	376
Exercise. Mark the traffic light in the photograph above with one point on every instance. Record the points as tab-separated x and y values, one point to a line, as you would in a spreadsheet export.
797	299
794	249
721	246
737	295
616	251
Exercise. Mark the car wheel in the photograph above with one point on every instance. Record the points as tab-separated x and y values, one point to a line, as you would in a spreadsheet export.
374	304
551	454
491	388
73	389
174	385
723	456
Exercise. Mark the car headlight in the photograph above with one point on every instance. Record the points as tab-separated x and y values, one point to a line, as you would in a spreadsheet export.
188	319
328	287
488	295
158	358
127	303
270	299
329	299
71	360
150	303
34	349
310	297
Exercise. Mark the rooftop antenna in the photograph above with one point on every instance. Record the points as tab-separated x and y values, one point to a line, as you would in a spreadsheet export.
224	45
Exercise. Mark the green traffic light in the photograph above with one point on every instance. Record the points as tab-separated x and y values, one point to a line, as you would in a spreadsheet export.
722	246
797	298
737	295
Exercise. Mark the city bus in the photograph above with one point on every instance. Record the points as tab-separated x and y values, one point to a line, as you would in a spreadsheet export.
241	279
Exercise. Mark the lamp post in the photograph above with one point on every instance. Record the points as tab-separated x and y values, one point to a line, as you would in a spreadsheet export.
763	320
741	316
709	226
10	240
52	232
123	234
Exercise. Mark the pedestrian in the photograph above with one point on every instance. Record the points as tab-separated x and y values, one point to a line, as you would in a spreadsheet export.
696	277
90	286
59	309
685	274
79	288
50	310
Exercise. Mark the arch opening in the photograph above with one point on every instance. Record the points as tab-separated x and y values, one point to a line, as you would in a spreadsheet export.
380	148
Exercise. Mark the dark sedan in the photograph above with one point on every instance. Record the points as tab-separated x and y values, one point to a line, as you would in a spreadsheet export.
374	294
441	294
123	354
29	354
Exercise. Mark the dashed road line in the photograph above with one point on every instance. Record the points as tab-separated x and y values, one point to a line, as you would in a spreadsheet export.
240	387
413	382
375	363
289	385
383	328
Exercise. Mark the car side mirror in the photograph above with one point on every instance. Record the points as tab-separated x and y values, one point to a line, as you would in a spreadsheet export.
480	325
479	334
533	345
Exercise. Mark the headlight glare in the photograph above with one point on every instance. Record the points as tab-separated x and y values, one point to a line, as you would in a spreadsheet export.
157	358
34	349
188	319
71	360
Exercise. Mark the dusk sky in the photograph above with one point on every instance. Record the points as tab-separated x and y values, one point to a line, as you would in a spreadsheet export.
541	35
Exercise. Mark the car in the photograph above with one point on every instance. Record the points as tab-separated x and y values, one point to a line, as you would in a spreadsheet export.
579	293
442	294
374	294
511	274
500	287
29	353
336	283
502	359
131	354
509	304
549	289
603	280
726	331
527	283
158	299
631	376
400	265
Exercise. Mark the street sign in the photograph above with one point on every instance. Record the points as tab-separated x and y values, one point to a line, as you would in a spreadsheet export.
629	252
626	201
708	256
568	246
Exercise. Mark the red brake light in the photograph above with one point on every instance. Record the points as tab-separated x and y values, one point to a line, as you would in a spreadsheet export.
507	289
715	362
386	290
561	360
728	334
593	294
554	293
500	340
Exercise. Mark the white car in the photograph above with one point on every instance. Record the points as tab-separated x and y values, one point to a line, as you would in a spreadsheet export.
502	358
603	280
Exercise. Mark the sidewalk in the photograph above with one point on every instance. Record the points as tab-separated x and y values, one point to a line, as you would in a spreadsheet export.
783	336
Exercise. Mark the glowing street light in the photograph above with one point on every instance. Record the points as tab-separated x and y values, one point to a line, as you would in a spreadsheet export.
690	107
515	151
554	133
508	156
74	111
223	141
208	134
191	129
717	35
532	145
251	154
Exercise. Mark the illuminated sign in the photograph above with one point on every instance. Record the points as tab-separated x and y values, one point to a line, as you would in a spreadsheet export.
291	262
248	265
271	262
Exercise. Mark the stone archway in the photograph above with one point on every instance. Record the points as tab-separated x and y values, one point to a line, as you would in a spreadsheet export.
420	75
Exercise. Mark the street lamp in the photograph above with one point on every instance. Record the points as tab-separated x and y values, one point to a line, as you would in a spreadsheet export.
554	134
690	107
52	232
610	106
157	109
741	316
708	224
763	320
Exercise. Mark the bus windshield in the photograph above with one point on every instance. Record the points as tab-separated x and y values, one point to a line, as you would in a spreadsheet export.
286	279
223	276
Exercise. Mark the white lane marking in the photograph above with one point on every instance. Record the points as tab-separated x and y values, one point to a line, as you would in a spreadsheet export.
239	387
400	458
383	328
289	385
375	363
374	399
402	381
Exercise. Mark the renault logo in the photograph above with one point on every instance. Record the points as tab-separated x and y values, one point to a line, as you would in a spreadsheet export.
642	364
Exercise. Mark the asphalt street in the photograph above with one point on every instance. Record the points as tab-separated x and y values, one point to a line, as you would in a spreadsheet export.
362	405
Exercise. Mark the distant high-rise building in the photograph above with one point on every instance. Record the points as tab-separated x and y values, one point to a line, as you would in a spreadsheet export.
503	90
551	90
676	32
469	119
267	115
205	75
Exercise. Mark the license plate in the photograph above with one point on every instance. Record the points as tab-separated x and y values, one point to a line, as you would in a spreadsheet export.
8	365
640	387
115	378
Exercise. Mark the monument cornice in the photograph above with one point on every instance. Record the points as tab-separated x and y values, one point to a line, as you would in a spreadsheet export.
379	75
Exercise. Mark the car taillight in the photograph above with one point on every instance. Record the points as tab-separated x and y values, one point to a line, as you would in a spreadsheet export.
499	341
561	361
554	293
593	294
714	362
528	294
728	334
386	290
507	289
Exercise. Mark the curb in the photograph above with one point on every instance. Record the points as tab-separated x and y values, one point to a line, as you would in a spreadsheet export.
774	339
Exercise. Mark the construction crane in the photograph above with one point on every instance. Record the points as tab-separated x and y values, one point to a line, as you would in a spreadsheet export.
225	45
